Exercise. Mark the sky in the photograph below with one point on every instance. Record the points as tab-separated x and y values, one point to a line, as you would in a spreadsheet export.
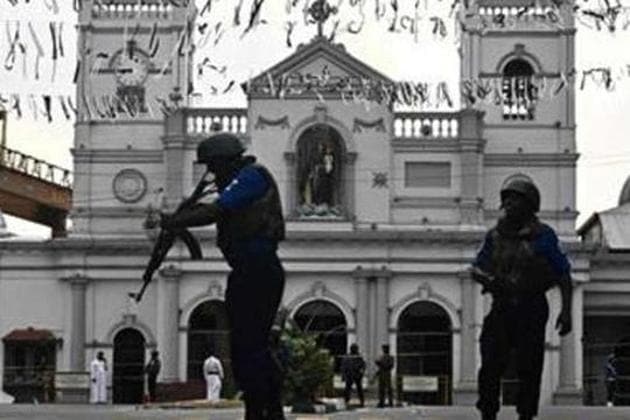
601	114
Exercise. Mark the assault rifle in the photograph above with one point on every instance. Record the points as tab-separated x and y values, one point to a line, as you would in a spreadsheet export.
167	238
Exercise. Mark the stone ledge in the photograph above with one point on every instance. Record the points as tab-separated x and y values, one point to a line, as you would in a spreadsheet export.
568	396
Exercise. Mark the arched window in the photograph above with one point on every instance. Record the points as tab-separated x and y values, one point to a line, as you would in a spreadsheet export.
319	161
208	330
515	177
326	320
424	348
519	93
128	374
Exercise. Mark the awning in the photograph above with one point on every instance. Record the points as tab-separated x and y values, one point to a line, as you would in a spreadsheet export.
29	334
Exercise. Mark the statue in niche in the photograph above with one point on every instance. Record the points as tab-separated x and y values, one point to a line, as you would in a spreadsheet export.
318	173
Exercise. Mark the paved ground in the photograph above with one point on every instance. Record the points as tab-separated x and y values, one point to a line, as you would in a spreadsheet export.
86	412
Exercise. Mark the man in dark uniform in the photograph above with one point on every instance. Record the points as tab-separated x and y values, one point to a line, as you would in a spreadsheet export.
385	364
518	262
352	371
250	224
152	370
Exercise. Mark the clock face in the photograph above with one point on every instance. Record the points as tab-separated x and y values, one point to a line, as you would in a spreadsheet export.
131	66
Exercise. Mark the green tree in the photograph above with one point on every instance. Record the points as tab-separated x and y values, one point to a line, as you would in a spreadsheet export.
309	367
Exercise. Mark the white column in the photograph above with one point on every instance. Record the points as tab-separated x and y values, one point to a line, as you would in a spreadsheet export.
362	310
465	391
382	309
167	323
569	390
78	286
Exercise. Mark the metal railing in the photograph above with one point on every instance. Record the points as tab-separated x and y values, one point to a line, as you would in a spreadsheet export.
30	165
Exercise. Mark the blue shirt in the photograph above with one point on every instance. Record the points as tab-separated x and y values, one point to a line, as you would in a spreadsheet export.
248	186
545	243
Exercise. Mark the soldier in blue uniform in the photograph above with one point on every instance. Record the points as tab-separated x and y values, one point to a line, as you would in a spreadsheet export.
519	261
250	224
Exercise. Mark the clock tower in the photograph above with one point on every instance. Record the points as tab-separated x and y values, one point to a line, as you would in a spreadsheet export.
518	66
134	64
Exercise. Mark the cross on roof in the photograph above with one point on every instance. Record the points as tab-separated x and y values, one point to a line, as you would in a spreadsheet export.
320	11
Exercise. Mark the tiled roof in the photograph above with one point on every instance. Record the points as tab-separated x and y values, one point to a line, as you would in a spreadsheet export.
29	334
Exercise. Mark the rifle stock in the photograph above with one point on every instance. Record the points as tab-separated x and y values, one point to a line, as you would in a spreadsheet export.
167	238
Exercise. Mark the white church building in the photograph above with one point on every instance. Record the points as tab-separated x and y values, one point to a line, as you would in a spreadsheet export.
385	210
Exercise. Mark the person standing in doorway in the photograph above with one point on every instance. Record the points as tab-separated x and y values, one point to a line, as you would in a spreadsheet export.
352	371
520	259
98	379
152	370
250	224
385	365
213	373
611	380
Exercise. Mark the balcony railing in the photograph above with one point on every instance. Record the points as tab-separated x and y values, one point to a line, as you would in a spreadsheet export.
426	125
409	125
200	121
34	167
131	8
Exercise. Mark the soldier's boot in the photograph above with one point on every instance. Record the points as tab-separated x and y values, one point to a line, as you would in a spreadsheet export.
525	417
488	416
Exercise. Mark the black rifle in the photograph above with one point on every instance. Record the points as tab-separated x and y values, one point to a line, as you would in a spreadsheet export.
167	238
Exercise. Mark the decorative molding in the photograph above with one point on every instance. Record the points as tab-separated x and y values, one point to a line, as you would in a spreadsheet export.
319	291
171	272
379	180
531	159
129	185
119	156
359	124
320	116
130	321
263	122
77	280
425	293
380	273
215	291
403	202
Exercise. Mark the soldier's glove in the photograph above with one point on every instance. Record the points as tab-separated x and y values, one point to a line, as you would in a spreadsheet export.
564	323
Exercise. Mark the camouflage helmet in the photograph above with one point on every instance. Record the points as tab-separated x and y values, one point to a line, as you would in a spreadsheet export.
222	146
525	188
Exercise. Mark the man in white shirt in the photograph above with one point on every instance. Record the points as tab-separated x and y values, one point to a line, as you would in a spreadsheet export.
213	372
98	379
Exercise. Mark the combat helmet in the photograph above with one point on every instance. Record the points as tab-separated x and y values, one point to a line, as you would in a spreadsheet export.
525	188
222	146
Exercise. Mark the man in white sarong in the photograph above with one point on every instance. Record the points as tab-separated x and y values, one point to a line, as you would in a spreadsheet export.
213	372
98	379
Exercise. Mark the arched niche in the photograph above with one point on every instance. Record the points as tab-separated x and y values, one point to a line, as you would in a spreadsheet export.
320	157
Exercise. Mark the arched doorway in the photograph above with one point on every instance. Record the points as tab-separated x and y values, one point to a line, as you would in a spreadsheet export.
128	373
208	330
424	354
319	172
326	320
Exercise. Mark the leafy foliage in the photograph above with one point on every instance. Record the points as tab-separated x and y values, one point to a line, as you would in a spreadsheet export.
309	366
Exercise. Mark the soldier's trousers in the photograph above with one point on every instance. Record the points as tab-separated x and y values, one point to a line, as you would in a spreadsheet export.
520	327
385	388
252	298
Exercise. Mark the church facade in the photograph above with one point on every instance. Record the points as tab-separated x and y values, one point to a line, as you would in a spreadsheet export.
385	209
